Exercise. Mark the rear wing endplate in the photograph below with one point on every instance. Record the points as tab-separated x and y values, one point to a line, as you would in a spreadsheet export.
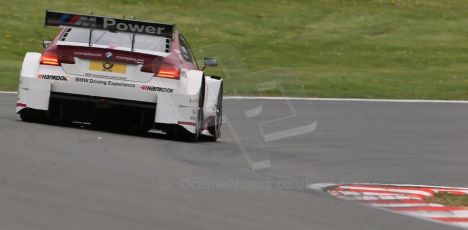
106	23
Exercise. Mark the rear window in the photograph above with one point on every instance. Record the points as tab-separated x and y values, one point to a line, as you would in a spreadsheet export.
106	38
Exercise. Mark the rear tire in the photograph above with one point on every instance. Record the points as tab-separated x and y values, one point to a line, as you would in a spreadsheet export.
27	115
215	127
33	115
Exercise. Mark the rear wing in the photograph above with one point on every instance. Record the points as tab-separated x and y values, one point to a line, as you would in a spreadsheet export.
106	23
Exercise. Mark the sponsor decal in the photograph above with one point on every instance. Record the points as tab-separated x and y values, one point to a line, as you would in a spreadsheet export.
78	20
156	89
52	77
87	54
103	76
104	82
129	26
108	55
107	66
121	84
82	79
131	59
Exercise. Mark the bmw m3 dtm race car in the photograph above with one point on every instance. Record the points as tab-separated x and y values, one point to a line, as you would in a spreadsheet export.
120	72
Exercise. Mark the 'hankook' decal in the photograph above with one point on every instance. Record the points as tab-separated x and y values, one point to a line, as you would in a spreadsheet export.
156	89
52	77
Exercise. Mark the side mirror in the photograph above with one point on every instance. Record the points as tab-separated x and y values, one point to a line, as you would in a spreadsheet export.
212	62
46	43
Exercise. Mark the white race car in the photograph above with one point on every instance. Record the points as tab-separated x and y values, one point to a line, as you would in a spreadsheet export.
120	72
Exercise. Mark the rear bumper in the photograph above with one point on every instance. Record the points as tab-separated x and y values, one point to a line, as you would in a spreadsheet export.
168	107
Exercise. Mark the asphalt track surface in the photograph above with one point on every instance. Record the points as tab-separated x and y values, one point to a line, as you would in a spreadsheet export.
55	177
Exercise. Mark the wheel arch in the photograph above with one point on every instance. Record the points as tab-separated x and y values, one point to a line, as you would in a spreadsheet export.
32	92
194	81
212	87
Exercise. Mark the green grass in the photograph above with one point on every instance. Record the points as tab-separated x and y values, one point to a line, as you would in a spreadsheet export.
321	48
449	199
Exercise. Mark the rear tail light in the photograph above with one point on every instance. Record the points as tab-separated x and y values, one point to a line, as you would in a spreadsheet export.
50	58
164	70
168	71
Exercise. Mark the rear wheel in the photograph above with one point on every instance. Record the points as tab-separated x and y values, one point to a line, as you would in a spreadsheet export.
215	126
33	115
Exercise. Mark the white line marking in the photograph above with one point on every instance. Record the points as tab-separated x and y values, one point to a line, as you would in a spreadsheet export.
411	185
320	186
8	92
325	99
352	193
437	214
379	197
407	191
403	205
344	99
